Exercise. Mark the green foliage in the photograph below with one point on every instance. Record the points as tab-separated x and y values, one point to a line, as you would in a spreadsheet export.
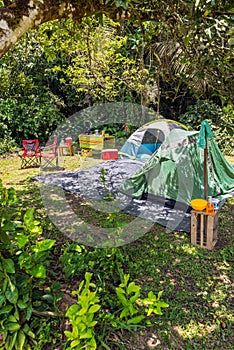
82	316
22	258
106	264
131	310
119	130
73	259
7	198
7	145
199	297
101	68
220	119
29	118
29	107
63	67
108	195
128	294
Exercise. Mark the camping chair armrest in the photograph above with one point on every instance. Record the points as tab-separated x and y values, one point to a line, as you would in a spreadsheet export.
49	148
46	147
122	154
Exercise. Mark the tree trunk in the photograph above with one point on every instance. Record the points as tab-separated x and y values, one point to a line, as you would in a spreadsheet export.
18	17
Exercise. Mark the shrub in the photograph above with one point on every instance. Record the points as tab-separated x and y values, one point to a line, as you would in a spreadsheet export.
23	262
220	119
7	144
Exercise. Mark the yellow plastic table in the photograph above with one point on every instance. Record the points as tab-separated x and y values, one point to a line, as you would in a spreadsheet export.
96	142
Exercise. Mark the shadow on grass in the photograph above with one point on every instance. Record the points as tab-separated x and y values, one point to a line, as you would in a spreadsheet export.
197	283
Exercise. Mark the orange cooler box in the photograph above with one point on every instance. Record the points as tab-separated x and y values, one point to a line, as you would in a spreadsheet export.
110	154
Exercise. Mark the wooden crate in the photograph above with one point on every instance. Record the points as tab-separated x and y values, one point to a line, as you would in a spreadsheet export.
204	229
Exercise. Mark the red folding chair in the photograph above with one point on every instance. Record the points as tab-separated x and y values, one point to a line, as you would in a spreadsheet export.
30	154
49	155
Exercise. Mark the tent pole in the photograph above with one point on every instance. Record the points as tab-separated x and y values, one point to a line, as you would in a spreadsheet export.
205	171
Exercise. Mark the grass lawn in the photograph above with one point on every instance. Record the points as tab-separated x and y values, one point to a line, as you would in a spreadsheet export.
196	283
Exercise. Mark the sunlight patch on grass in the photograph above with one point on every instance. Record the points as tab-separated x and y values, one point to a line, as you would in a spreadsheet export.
12	174
187	248
195	329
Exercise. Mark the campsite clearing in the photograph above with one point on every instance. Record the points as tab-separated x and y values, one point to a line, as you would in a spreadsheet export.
197	284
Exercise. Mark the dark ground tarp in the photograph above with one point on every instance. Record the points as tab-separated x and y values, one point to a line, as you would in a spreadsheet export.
87	184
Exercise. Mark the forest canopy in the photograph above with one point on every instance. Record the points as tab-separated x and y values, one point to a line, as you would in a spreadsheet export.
62	56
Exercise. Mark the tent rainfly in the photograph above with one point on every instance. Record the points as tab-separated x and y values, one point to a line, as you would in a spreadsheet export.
178	172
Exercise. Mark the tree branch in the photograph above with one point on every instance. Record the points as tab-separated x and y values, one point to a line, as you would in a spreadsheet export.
46	313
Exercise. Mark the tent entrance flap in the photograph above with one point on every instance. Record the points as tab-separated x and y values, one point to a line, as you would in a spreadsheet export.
148	138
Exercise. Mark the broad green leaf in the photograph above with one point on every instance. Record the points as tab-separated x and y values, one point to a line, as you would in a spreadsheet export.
136	320
88	277
8	226
72	310
34	229
12	295
6	309
21	340
162	304
82	311
121	297
43	245
29	216
94	308
68	334
75	331
152	296
21	304
132	288
87	334
92	343
21	240
13	326
149	311
92	324
38	271
4	238
126	279
74	343
160	294
8	265
2	299
28	312
132	310
134	297
11	318
124	313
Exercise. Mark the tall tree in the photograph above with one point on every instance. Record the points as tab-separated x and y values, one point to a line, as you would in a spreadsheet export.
17	17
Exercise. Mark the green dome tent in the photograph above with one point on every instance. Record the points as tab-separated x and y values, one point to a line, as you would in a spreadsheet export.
181	170
148	138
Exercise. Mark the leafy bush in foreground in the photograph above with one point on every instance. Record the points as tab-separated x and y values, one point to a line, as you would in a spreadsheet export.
23	261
